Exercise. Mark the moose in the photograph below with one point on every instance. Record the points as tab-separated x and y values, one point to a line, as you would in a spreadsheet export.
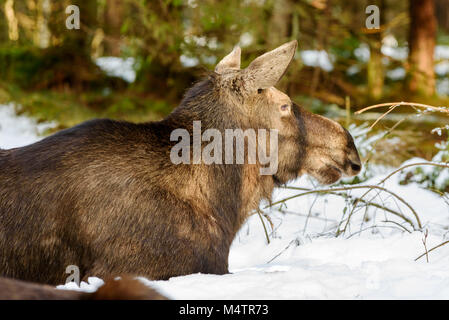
125	288
105	196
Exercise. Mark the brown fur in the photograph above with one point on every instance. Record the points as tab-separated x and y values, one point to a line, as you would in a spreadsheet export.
105	196
126	288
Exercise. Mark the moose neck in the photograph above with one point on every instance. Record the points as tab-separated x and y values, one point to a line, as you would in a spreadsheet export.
225	193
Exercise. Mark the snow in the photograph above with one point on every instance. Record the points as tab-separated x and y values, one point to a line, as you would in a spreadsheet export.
396	53
17	131
396	74
352	70
362	53
311	58
124	67
246	39
118	67
442	87
310	263
391	49
441	52
317	58
374	259
388	48
188	62
442	68
92	284
359	268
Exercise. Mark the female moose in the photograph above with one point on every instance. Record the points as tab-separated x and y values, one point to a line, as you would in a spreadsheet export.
105	196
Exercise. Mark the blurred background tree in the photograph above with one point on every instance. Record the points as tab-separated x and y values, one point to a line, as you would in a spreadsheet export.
166	45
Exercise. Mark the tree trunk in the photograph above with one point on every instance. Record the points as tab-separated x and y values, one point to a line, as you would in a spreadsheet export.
280	23
113	23
422	45
13	24
375	69
42	35
442	13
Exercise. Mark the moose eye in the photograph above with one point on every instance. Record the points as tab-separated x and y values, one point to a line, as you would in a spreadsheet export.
259	90
284	107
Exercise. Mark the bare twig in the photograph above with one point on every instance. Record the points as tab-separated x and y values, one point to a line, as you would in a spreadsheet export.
436	247
383	115
366	202
398	224
402	103
264	227
424	242
368	228
436	164
285	249
307	216
371	187
444	165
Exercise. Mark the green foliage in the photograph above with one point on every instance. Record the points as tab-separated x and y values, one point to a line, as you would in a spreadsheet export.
20	65
55	67
70	108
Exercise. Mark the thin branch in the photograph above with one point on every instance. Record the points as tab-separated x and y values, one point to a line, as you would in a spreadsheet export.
398	224
351	188
370	227
264	227
424	241
366	202
385	179
306	215
436	164
436	247
383	115
442	165
402	103
285	249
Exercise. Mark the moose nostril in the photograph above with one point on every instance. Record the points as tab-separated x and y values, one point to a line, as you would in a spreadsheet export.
355	167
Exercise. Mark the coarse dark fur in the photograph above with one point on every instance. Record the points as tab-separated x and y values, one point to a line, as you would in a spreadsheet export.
104	195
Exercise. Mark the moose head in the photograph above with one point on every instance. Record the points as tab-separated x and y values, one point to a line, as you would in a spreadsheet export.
246	98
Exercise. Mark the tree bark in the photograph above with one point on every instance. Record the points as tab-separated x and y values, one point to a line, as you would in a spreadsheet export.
113	23
13	24
442	14
375	69
280	23
42	34
422	35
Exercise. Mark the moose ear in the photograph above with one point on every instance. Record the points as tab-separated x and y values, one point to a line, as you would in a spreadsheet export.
231	61
266	70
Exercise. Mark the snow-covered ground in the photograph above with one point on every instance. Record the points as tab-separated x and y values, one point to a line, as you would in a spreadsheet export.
17	131
374	259
305	260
